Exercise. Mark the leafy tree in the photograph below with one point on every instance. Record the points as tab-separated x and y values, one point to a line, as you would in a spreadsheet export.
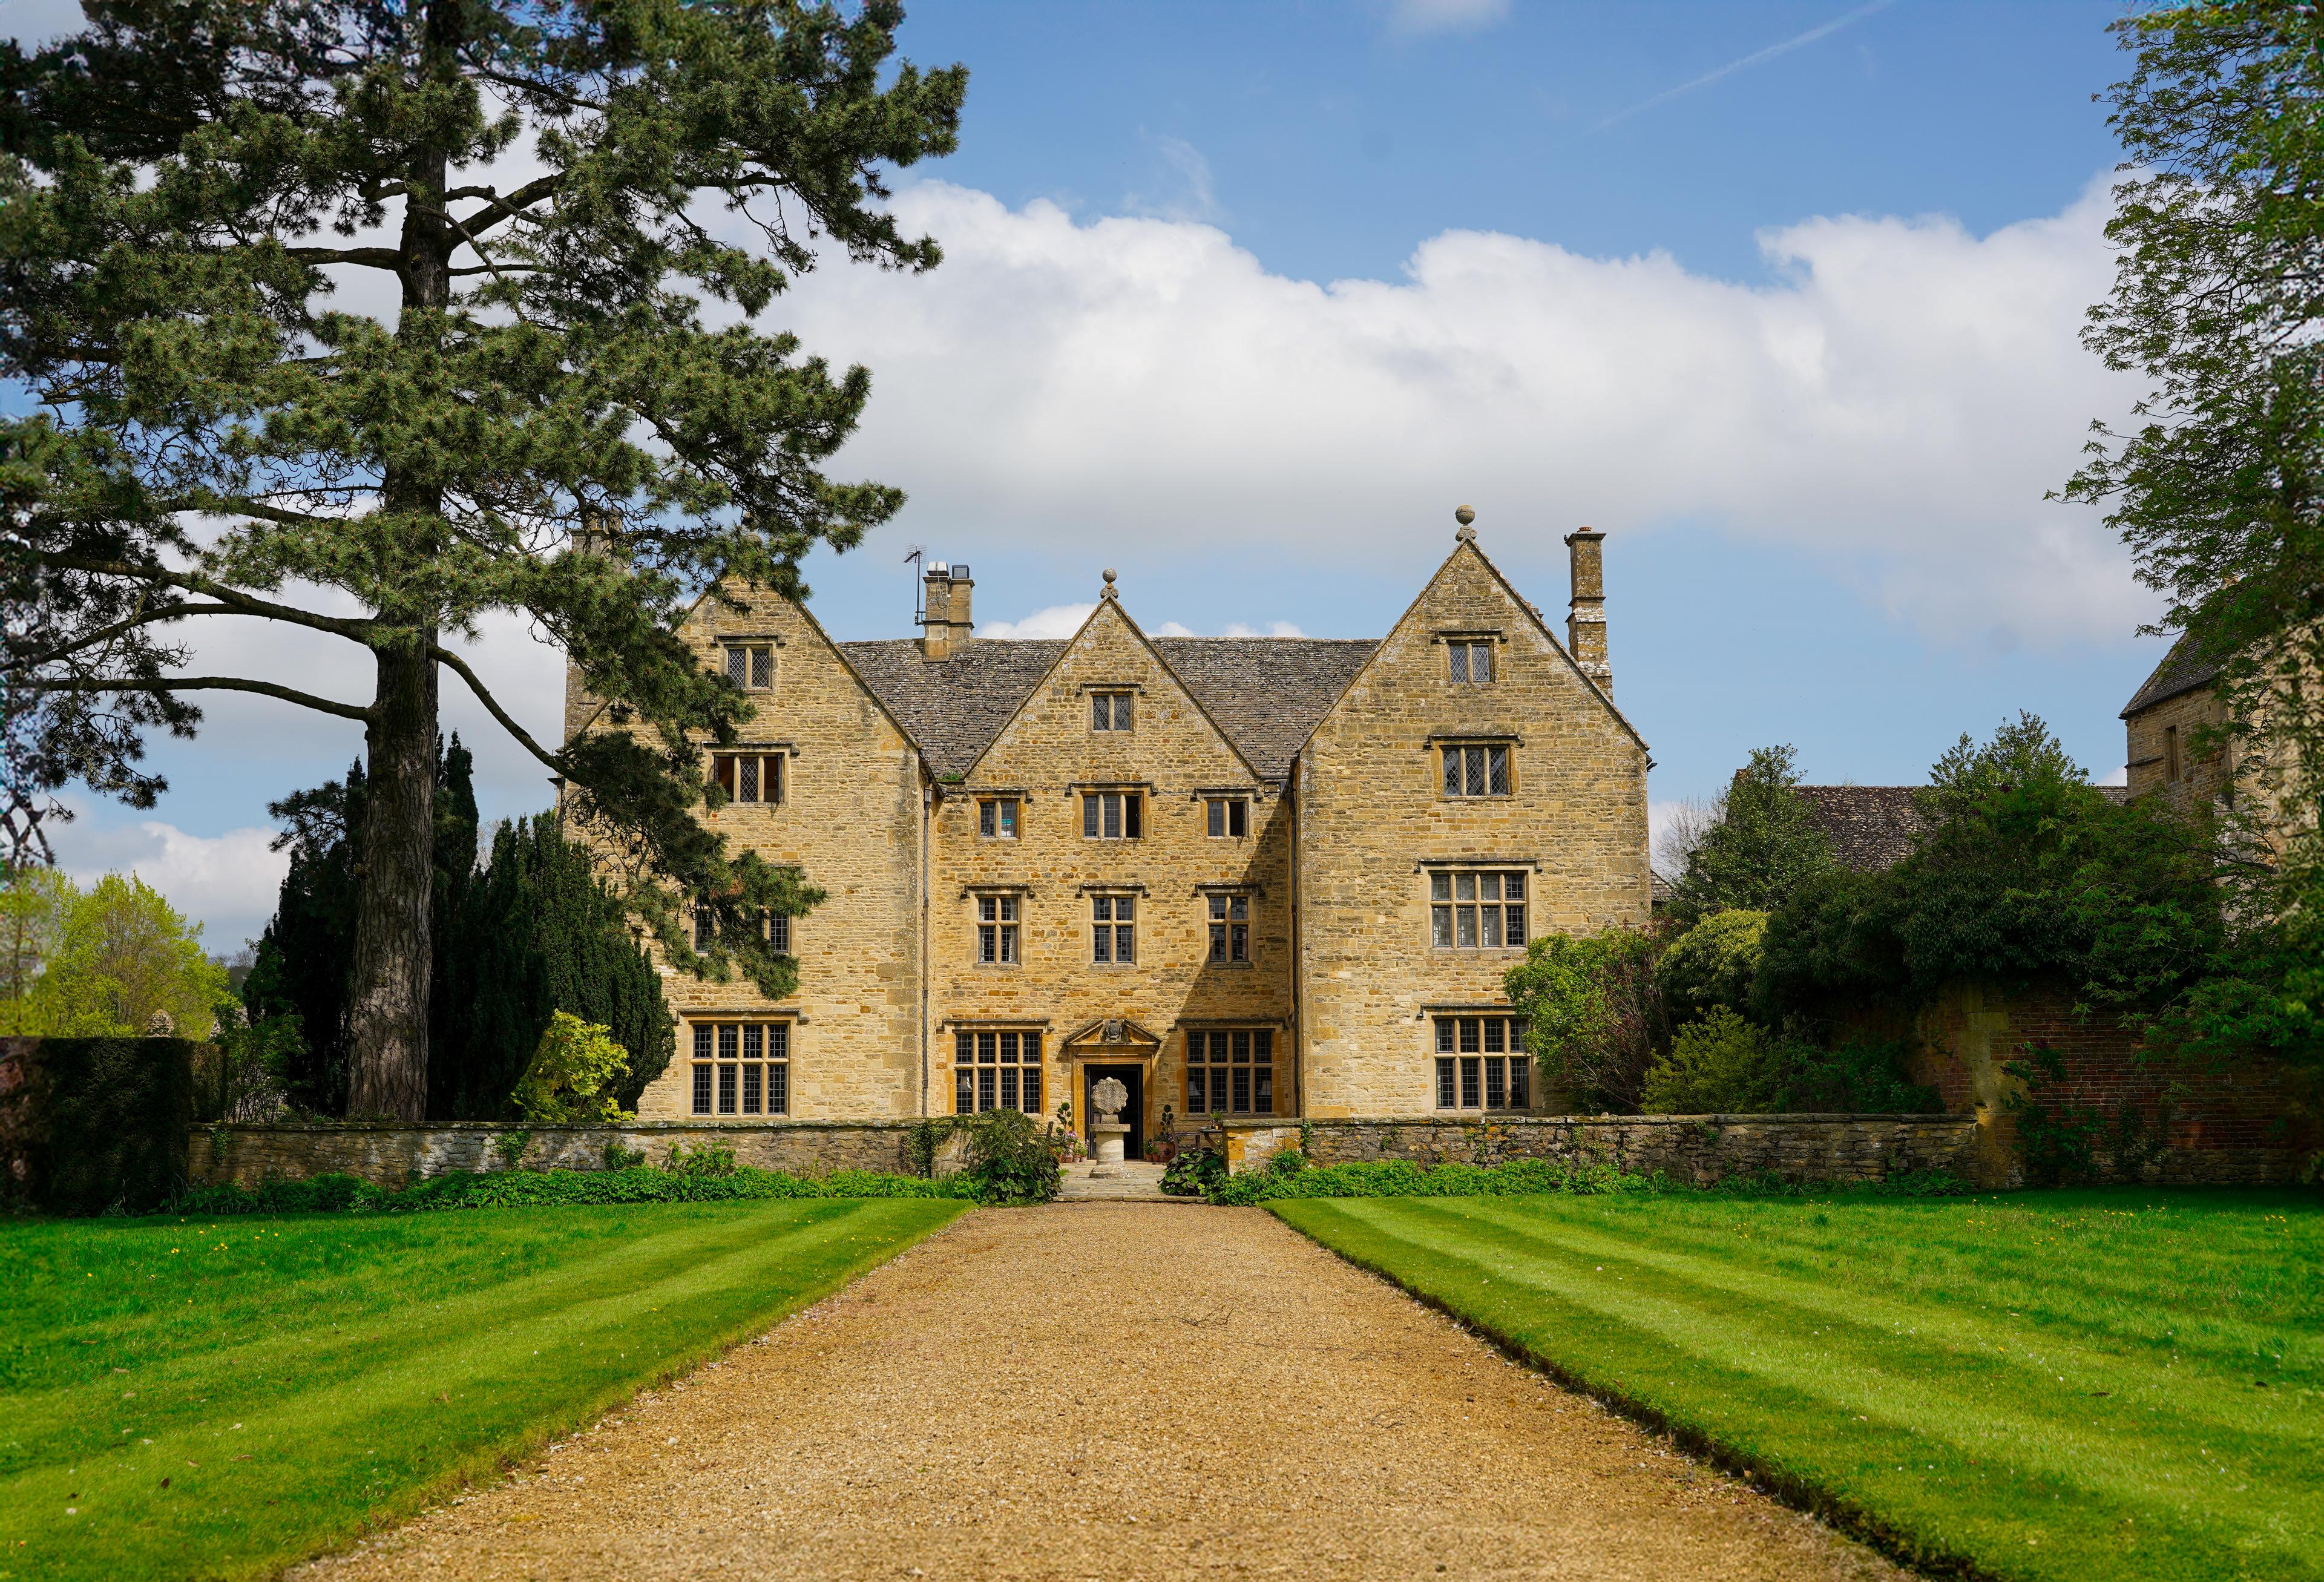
569	412
572	1077
539	933
1593	1016
2217	487
34	908
1765	844
125	964
2026	870
1711	964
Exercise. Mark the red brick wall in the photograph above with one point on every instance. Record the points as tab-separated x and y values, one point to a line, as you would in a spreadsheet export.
2217	1126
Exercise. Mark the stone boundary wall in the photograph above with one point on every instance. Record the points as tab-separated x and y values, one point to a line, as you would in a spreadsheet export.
1695	1148
391	1156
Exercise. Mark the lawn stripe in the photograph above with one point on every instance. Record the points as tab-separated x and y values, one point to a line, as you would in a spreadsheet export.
1959	1387
1710	1269
363	1438
1701	1351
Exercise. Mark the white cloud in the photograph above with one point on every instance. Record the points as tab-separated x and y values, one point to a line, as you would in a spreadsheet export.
1056	621
1432	16
2117	776
1896	402
227	883
1062	621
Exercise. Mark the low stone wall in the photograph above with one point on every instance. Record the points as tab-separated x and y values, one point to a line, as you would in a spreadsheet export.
1696	1148
390	1155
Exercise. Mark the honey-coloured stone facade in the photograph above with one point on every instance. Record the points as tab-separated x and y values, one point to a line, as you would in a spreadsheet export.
1334	750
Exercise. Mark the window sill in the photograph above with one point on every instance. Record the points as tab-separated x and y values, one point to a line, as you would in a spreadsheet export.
999	966
1229	966
1114	966
1476	950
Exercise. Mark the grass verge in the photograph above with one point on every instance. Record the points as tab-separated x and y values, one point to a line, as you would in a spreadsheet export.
2120	1383
221	1397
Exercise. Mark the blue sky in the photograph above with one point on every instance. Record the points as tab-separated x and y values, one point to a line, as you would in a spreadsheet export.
1243	299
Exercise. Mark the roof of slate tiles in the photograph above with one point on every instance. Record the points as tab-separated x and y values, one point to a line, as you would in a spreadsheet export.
1266	692
2183	669
1872	827
1869	826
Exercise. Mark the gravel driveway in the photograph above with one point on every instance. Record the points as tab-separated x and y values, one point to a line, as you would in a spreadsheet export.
1112	1390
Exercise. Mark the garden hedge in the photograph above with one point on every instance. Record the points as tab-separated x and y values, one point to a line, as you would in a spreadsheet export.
94	1125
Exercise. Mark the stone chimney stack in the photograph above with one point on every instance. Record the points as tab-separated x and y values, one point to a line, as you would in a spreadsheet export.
1585	623
947	619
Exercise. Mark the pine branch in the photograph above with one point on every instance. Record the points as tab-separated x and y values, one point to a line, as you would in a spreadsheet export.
210	684
103	634
355	631
459	667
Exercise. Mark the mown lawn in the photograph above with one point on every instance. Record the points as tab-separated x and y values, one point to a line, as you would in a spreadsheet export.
2096	1385
220	1397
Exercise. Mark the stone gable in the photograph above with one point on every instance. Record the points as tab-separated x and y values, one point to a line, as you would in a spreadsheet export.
1374	817
1047	756
850	819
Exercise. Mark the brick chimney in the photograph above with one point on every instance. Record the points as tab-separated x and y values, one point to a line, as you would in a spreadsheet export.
947	621
1585	623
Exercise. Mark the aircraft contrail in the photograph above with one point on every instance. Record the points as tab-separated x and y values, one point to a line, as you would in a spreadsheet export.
1824	30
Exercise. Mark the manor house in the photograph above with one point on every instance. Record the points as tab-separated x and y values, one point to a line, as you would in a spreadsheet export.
1257	877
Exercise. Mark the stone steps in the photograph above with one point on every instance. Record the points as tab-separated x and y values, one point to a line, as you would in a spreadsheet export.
1131	1181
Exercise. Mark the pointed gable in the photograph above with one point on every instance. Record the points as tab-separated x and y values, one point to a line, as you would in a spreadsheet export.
1467	593
1050	727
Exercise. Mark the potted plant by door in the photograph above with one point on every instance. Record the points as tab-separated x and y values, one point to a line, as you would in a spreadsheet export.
1163	1147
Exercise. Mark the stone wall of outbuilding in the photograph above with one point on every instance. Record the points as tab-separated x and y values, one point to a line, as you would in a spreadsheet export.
391	1156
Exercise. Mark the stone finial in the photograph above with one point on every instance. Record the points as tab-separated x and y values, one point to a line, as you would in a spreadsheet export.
1465	533
1109	592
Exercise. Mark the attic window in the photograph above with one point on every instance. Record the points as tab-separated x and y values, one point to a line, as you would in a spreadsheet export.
1471	659
751	665
1110	711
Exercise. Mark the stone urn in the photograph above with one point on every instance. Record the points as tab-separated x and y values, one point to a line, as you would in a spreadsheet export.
1107	1132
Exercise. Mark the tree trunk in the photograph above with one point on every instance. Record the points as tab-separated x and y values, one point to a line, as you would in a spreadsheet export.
388	996
387	1003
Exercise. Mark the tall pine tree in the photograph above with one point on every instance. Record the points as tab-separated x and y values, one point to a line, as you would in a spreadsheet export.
547	421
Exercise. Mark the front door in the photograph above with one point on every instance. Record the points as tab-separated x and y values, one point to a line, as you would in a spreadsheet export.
1133	1114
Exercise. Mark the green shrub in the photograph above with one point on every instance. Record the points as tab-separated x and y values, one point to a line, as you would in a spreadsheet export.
701	1160
1535	1177
1285	1162
1711	964
1010	1159
1593	1015
1722	1064
573	1076
345	1194
1855	1078
1399	1177
1195	1172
